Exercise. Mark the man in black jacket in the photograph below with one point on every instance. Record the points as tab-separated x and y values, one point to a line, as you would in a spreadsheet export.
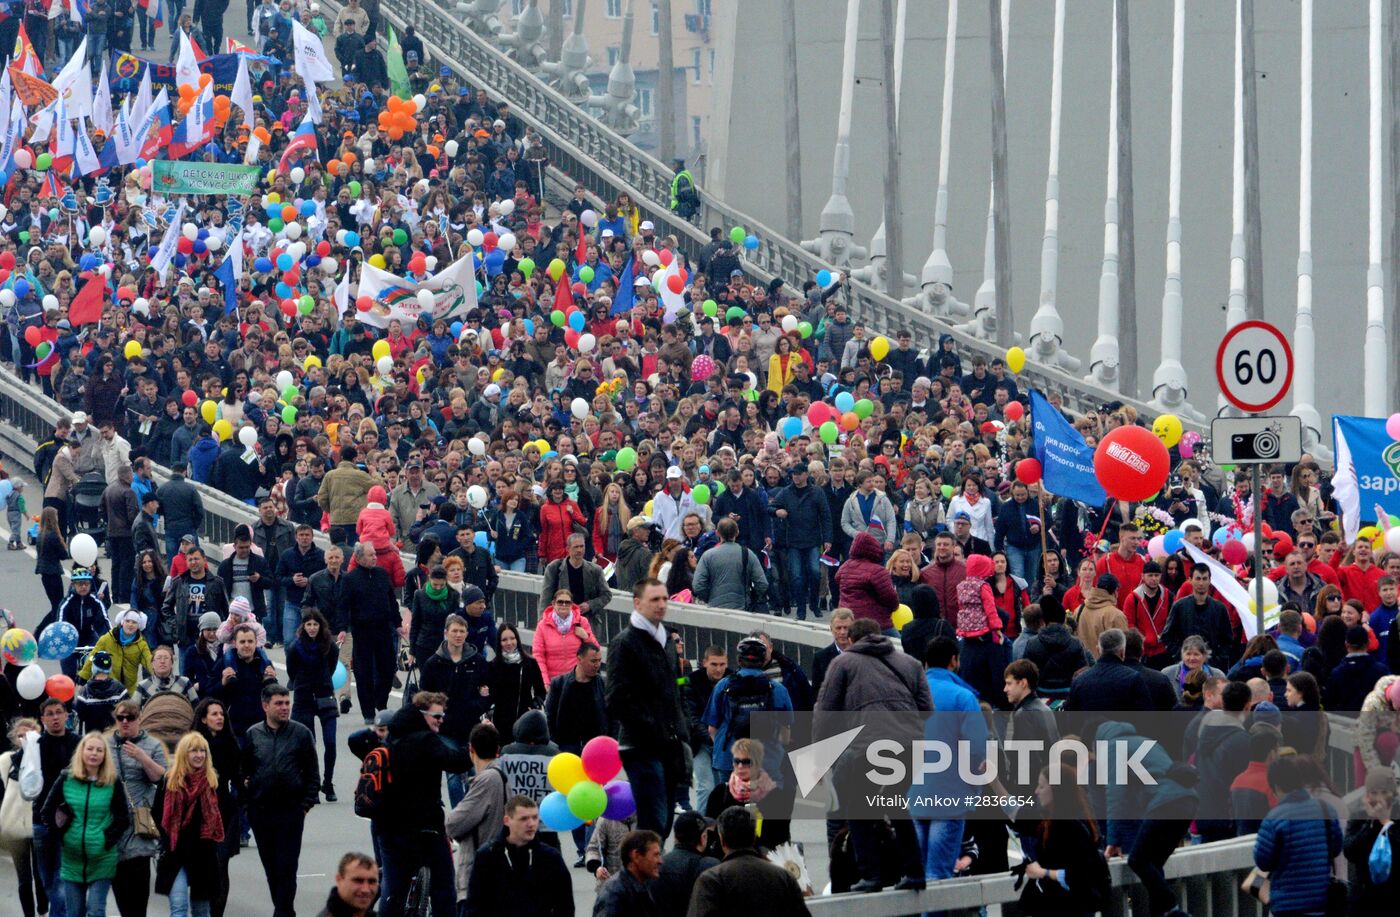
54	745
1200	614
1111	683
458	670
122	509
516	874
183	508
283	783
411	826
696	689
247	574
373	612
684	864
576	710
1056	652
644	703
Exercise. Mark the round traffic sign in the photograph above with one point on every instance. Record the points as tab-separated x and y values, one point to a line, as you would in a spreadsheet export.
1254	366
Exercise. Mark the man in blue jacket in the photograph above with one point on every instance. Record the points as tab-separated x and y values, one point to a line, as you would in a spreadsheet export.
802	512
1296	844
743	503
1018	534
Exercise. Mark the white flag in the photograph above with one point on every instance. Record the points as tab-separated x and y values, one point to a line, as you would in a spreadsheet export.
242	94
311	61
186	65
144	99
65	129
102	118
235	253
313	103
74	81
83	153
342	295
42	121
142	129
13	136
161	261
1224	582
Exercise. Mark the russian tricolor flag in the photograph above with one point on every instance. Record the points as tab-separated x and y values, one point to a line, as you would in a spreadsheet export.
196	128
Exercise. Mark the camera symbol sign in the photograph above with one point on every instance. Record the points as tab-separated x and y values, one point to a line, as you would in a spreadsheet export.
1256	440
1254	366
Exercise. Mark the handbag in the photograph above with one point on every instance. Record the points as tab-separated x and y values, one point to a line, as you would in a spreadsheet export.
16	812
758	598
1256	885
143	823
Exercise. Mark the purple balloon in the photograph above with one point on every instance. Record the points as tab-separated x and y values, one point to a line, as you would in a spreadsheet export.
620	801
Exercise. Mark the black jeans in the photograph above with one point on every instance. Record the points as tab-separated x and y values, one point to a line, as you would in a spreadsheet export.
404	854
132	886
306	712
123	551
1156	841
865	838
277	827
373	662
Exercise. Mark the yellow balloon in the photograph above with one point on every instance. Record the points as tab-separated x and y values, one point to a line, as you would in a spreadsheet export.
274	198
377	261
209	410
565	770
880	347
1015	359
311	362
1167	428
496	376
380	350
646	510
132	350
223	430
543	444
1367	532
902	616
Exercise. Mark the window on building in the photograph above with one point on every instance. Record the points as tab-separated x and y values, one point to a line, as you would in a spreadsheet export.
655	18
695	131
614	9
695	66
568	8
712	66
702	7
644	102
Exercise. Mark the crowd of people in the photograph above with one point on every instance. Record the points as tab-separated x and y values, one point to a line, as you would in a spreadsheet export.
622	415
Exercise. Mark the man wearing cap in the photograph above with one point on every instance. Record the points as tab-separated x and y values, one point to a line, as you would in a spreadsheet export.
962	535
672	504
411	493
634	554
683	865
487	412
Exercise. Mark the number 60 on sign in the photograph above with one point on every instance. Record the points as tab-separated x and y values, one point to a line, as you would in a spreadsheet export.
1254	366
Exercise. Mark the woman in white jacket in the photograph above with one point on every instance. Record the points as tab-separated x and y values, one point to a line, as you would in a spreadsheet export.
972	501
17	818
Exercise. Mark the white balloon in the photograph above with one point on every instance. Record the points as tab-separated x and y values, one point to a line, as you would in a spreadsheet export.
248	436
190	231
369	166
96	236
30	681
476	496
506	207
1247	539
789	323
50	302
835	277
7	297
284	379
340	236
141	307
385	365
1392	539
421	101
431	263
297	249
83	550
475	237
506	242
4	210
105	270
214	242
329	265
1270	592
650	258
476	446
588	218
425	299
451	147
298	175
579	406
293	230
586	343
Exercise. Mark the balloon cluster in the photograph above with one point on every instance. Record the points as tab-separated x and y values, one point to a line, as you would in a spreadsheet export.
188	93
586	788
398	116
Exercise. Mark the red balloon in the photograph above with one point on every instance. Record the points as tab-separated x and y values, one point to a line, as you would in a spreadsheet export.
323	248
571	337
290	277
1028	470
184	246
364	303
32	337
675	283
189	398
4	274
488	241
1266	530
126	293
7	260
1132	464
59	687
819	413
1233	552
1282	546
289	307
1014	411
665	256
579	289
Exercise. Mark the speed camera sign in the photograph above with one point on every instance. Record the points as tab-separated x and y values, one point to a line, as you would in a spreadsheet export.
1254	366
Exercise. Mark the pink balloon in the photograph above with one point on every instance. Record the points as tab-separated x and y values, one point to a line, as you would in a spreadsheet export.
601	759
1234	552
701	368
1156	549
1392	426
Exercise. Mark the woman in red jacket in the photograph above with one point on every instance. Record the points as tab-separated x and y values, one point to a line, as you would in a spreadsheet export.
558	516
1007	594
866	587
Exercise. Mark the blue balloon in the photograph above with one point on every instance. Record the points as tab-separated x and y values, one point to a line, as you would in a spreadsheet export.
494	261
751	242
1221	536
823	278
283	291
792	426
529	327
456	329
554	812
200	247
313	260
179	260
21	289
577	322
482	540
87	262
285	261
1173	541
550	454
7	487
152	251
58	641
262	265
308	208
845	402
352	239
202	234
339	677
479	288
274	210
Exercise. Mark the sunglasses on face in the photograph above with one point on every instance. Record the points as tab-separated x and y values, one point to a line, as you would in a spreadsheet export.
744	761
124	718
436	716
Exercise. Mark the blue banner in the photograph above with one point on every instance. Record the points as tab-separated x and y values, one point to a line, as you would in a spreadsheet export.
1066	461
127	70
1368	471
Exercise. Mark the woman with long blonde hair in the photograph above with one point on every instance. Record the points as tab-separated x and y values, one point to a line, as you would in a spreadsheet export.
193	828
86	813
610	523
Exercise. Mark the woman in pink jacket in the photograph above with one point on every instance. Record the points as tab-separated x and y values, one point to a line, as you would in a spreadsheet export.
558	635
866	587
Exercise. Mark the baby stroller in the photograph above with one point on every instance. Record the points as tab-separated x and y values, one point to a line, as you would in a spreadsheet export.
88	515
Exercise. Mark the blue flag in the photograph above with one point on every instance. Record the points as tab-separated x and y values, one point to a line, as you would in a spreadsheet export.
226	279
626	296
1368	471
1066	461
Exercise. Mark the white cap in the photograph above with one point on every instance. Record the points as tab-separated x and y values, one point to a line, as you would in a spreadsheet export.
647	224
492	389
641	282
608	234
80	417
673	473
498	123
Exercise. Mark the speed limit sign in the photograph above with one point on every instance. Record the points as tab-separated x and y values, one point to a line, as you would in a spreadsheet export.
1254	366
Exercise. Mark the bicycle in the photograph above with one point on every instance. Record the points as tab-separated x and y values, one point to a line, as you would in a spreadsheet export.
418	902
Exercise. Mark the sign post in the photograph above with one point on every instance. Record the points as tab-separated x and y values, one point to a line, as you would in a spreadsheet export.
1254	366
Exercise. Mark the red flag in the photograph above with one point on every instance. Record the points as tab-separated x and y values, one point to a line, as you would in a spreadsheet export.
86	307
301	142
563	295
582	254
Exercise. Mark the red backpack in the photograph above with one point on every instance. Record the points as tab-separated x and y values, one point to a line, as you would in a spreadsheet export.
372	789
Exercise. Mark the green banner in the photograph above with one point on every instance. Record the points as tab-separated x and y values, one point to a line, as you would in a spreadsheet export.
203	178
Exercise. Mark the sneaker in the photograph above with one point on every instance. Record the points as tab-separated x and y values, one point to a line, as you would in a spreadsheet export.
344	705
329	792
579	863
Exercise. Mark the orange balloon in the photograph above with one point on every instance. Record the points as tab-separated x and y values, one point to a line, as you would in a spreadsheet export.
849	421
204	80
289	213
348	158
410	106
187	91
412	124
395	133
433	151
395	103
334	166
262	134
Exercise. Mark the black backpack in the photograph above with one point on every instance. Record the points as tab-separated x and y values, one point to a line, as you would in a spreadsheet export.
747	695
372	789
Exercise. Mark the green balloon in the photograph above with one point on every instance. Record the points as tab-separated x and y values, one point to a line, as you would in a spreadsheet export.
733	312
289	415
585	274
587	800
276	225
43	350
1225	467
947	491
719	488
43	162
711	308
828	432
53	213
24	235
400	237
804	329
700	494
527	267
736	235
354	189
864	408
556	318
290	393
306	304
626	456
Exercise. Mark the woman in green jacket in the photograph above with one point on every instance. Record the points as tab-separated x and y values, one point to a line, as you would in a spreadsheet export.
87	809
